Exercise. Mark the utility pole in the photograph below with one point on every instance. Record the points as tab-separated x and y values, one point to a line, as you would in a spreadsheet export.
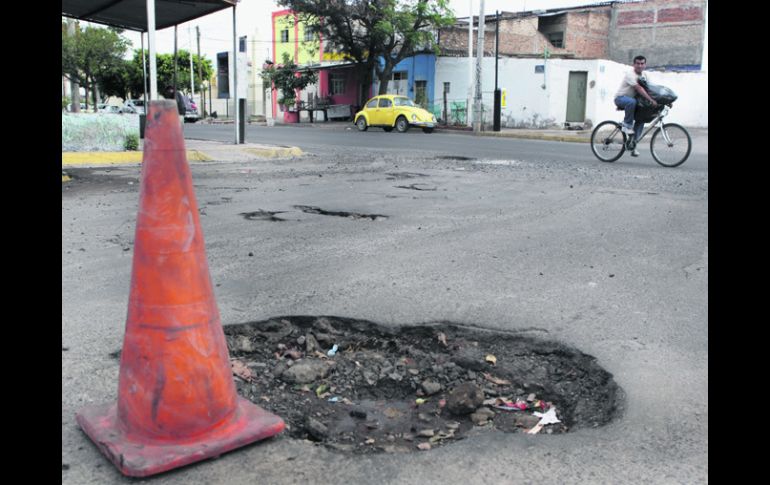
74	85
200	73
468	116
477	105
192	73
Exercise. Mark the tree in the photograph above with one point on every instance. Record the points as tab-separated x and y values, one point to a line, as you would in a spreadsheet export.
92	55
287	80
165	71
375	34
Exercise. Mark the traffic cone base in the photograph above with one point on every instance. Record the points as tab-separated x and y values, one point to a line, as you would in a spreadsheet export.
140	459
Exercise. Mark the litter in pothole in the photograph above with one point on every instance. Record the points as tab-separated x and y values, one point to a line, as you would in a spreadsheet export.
361	387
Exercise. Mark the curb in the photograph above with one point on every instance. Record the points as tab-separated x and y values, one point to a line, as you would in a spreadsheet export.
193	155
110	158
275	152
536	136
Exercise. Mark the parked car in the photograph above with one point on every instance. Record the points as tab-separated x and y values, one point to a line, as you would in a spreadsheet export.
133	106
390	111
191	110
109	108
82	107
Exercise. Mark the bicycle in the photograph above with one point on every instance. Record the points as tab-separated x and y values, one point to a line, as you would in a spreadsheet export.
670	144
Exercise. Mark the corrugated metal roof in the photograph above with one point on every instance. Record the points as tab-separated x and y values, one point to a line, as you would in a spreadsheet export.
132	14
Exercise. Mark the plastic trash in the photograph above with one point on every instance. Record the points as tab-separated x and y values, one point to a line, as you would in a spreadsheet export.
548	417
333	351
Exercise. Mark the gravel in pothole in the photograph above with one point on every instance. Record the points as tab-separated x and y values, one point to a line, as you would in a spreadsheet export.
357	386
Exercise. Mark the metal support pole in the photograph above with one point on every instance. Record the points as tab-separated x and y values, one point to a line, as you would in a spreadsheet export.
496	115
151	43
175	63
235	83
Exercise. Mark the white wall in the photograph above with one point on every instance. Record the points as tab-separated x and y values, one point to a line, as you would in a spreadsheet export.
690	108
530	106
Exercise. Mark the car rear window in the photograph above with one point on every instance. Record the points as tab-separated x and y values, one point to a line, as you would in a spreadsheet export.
385	103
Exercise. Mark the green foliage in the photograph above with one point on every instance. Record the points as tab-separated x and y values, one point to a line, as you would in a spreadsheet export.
375	34
92	55
287	80
65	100
132	142
165	71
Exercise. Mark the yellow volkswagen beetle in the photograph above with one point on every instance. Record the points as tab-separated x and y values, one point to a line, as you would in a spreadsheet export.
389	111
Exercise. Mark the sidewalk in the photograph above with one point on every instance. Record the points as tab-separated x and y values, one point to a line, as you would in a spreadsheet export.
197	151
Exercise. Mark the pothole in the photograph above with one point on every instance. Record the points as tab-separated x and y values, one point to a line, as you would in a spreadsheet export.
260	215
454	157
308	209
360	387
416	187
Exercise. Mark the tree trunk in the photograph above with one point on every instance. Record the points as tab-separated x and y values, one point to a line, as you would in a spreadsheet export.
96	97
74	86
384	78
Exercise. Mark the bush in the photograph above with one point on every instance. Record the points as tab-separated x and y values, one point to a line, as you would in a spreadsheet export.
132	142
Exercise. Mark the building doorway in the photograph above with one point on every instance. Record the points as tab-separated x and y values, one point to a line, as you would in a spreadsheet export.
576	96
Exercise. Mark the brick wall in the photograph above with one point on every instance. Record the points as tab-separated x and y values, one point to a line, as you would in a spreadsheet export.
585	36
667	32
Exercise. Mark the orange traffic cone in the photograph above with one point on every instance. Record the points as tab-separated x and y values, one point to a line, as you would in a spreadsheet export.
177	402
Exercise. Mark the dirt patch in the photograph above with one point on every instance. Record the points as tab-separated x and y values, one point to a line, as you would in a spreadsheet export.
261	215
361	387
404	175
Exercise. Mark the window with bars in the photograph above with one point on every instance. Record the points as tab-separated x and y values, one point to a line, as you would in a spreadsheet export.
336	83
285	35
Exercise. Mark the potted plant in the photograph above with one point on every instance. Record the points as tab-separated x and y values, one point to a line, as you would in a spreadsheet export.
288	82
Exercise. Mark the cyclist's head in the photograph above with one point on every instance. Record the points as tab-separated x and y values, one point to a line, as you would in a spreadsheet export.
640	62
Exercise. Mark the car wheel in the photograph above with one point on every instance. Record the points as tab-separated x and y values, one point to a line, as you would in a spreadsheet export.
361	124
402	125
387	128
427	130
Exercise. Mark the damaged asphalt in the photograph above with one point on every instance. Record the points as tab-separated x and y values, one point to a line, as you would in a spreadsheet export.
609	259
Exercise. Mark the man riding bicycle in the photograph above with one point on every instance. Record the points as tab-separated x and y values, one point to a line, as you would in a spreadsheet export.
624	98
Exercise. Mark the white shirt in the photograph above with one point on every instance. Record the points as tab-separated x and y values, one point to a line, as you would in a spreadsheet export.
628	85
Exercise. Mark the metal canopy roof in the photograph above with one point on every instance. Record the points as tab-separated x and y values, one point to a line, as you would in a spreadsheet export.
132	14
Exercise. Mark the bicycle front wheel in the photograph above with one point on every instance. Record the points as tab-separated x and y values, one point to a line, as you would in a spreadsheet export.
670	145
608	142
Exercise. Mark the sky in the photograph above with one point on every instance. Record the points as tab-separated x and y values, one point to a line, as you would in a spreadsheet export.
216	29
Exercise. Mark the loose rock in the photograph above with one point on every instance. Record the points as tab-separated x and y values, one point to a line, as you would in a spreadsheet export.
465	398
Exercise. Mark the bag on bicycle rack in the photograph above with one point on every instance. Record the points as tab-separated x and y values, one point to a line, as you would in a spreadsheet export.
645	112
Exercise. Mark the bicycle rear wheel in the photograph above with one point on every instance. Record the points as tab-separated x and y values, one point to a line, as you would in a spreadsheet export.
672	149
608	142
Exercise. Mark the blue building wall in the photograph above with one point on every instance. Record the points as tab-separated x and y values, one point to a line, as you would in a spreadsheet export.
420	67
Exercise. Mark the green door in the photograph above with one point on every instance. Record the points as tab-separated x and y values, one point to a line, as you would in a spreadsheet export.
576	96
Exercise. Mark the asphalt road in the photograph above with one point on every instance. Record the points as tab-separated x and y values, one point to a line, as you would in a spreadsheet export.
326	140
534	237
